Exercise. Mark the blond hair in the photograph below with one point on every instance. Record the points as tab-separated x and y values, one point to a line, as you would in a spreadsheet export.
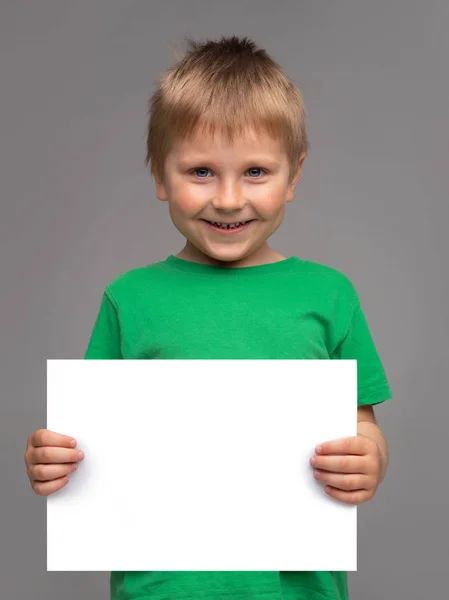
232	84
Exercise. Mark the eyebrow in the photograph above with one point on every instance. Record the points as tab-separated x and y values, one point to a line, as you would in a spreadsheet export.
256	160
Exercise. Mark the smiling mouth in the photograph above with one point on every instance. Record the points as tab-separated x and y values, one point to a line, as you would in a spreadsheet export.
226	226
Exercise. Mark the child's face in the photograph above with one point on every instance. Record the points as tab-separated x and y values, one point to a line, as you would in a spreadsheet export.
208	181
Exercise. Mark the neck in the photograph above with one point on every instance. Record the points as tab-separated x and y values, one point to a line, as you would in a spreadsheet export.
264	255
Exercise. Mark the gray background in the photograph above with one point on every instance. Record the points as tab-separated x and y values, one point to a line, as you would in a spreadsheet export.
78	208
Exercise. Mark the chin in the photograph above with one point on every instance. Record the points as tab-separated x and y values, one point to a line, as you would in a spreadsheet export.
227	256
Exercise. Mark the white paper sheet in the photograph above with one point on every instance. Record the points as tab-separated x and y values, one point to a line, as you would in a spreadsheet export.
200	465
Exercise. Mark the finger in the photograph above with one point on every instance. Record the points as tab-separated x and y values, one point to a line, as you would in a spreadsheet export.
49	454
45	437
339	464
346	482
49	487
348	445
355	497
51	472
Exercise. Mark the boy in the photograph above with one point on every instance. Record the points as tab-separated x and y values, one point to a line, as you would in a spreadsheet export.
226	142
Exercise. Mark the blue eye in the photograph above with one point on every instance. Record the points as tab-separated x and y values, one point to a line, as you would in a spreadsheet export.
198	169
257	169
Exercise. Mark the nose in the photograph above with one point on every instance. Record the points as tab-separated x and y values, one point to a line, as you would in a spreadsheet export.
229	198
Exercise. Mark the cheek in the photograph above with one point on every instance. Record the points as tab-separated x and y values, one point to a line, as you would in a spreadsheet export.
270	202
187	200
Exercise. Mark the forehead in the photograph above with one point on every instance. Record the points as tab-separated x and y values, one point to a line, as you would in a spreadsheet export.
250	140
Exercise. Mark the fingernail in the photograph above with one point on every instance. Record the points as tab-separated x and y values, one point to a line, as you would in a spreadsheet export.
318	449
74	467
313	460
80	454
73	443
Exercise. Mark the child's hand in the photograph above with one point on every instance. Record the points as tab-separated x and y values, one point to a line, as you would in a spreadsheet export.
49	458
352	478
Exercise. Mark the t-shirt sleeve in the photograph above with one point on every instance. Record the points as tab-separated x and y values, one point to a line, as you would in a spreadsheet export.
357	343
105	340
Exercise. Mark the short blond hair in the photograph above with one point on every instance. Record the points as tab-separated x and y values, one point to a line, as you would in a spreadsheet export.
232	84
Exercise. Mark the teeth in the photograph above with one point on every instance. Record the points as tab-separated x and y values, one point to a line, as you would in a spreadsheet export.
226	226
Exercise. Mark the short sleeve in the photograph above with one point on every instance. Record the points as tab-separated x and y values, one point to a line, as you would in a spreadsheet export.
105	340
357	343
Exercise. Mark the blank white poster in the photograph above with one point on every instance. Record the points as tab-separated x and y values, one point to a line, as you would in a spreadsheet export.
198	465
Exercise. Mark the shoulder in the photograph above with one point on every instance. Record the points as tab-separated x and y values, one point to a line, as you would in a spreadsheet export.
134	281
329	279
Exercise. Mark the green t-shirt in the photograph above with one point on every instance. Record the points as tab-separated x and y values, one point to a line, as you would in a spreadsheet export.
292	309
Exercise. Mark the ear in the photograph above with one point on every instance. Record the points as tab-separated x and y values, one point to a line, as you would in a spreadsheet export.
292	185
161	190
